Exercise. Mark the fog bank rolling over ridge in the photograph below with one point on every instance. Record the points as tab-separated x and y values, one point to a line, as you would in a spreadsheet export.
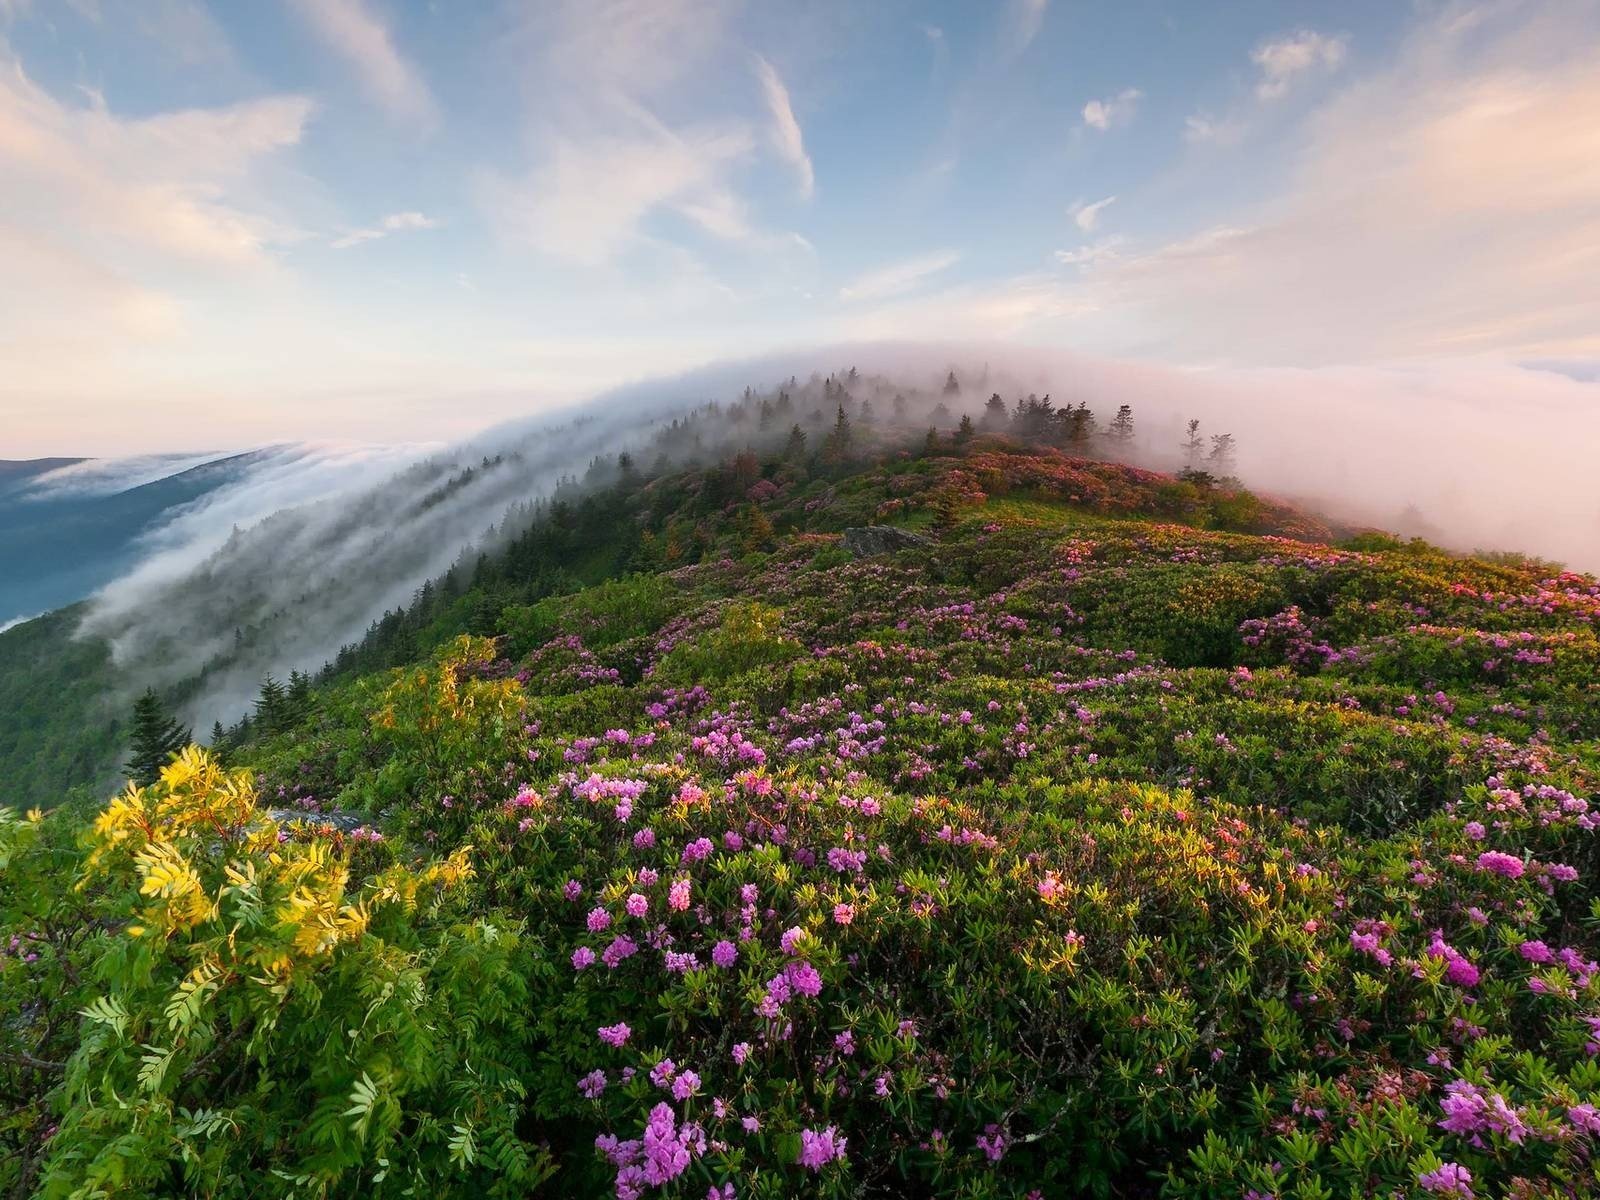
302	553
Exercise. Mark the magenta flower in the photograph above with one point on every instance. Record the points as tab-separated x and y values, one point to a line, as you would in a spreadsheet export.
592	1084
1501	864
582	957
1451	1179
598	919
678	896
724	954
819	1147
615	1035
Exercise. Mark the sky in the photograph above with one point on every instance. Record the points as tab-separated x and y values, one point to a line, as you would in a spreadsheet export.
237	222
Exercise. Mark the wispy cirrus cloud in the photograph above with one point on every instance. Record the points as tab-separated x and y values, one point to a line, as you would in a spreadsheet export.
399	222
898	278
355	32
1087	216
787	139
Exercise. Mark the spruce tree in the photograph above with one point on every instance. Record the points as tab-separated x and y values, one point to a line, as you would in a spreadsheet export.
1193	446
271	706
1122	426
156	738
964	431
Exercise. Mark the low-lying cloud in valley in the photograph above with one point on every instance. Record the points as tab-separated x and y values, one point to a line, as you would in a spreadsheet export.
302	555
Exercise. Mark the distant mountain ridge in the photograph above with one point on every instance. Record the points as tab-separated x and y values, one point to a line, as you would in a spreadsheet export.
58	544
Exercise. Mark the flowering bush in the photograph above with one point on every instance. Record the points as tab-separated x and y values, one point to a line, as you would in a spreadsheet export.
1071	854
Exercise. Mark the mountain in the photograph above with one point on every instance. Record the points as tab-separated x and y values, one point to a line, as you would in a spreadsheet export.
64	536
865	812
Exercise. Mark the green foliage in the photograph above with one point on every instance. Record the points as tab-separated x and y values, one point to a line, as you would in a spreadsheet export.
1080	853
155	737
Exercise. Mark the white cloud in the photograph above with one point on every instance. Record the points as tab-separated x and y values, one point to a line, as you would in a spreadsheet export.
587	201
393	223
174	184
1203	127
786	137
1024	19
898	278
1113	110
1086	216
1091	253
353	31
1282	59
1448	205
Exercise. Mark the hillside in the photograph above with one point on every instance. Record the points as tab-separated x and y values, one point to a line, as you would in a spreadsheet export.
58	545
1101	832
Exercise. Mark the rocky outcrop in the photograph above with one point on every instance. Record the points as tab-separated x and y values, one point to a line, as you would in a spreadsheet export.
868	540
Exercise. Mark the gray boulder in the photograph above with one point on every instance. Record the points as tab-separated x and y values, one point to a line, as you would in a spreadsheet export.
868	540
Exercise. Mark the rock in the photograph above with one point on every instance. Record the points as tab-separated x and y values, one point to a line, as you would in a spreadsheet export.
867	540
341	819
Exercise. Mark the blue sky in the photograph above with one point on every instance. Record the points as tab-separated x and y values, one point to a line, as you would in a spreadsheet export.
231	222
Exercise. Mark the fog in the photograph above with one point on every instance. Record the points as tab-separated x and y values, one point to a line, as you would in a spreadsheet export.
279	570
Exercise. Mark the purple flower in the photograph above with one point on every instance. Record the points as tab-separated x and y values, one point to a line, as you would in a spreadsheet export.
804	978
661	1074
1501	864
818	1148
724	954
636	905
791	938
741	1051
582	957
622	946
614	1035
599	919
1451	1179
592	1084
685	1085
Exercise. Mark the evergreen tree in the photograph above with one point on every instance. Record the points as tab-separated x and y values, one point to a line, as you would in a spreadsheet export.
964	431
218	734
866	411
1193	446
994	413
795	449
952	386
930	444
297	698
838	444
1122	426
1220	460
156	738
272	704
899	407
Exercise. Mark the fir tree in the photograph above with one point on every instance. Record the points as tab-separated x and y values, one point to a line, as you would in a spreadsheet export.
1193	446
795	448
952	386
156	738
899	407
1122	426
994	413
1220	460
964	431
930	444
272	705
838	444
